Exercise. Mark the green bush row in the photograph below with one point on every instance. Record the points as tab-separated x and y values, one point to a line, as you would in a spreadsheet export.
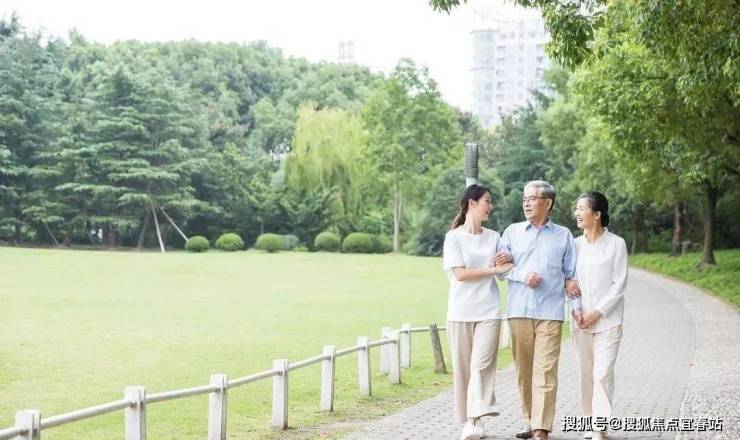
356	242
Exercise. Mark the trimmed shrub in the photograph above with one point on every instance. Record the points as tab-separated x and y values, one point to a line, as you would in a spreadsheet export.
290	242
327	241
270	242
359	242
230	242
382	244
197	243
300	248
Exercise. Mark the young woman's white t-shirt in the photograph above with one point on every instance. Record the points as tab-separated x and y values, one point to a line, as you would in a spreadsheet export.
471	301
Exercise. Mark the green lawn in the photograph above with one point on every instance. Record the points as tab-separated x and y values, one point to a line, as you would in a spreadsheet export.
76	327
721	280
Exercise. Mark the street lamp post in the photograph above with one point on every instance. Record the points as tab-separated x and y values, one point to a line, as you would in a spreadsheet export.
471	163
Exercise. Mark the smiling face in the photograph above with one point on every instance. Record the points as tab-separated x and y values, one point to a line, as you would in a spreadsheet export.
585	216
481	209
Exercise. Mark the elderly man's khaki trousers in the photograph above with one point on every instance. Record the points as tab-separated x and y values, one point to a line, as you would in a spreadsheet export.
535	346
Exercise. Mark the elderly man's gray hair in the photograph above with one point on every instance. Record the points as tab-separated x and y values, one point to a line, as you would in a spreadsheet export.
544	189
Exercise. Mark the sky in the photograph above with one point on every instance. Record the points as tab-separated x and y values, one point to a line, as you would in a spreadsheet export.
383	31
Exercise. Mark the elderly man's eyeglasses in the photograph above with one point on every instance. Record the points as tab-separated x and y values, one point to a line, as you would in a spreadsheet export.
531	199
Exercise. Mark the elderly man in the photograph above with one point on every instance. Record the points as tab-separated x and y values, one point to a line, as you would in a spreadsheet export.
544	258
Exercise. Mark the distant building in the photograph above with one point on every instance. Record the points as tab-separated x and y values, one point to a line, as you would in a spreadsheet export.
508	58
346	52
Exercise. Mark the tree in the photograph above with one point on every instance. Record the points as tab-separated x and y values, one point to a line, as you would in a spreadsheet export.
29	118
412	132
641	94
143	135
571	24
327	154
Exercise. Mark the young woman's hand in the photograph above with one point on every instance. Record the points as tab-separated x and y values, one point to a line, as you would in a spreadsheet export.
500	269
502	257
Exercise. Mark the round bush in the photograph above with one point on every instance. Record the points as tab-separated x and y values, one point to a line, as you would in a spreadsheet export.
359	242
270	242
197	243
382	244
327	241
230	242
290	242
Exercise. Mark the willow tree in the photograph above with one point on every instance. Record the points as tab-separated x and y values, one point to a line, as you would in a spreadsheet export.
327	154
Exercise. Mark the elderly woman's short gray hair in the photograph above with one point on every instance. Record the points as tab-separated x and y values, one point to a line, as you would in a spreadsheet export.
544	189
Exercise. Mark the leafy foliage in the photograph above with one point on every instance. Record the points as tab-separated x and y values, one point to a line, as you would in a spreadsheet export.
270	242
197	243
230	242
328	242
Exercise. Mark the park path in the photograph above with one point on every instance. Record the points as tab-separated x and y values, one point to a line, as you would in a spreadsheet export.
678	359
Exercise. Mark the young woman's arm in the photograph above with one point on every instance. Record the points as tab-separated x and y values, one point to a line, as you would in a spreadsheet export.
465	274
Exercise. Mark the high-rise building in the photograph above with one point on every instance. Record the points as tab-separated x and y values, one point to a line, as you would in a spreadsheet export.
346	52
508	58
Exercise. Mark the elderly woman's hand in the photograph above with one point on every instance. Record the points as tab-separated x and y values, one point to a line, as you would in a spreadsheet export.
578	317
590	318
572	289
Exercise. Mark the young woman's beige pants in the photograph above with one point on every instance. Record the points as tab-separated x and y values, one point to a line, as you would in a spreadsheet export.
474	348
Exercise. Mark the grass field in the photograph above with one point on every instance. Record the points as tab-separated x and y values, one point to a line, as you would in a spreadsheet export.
76	327
721	280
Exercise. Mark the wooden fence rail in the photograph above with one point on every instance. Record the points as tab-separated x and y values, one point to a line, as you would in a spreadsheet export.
395	346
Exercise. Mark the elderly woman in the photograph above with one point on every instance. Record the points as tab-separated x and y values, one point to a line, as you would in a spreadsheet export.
601	269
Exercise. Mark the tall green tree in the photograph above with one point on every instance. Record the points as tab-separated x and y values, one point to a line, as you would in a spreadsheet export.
641	93
29	121
144	135
412	132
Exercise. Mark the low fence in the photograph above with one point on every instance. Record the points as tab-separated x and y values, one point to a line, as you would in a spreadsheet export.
395	354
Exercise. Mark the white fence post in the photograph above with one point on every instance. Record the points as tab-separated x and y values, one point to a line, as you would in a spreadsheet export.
405	345
394	359
363	366
327	378
280	394
135	414
384	353
217	407
30	420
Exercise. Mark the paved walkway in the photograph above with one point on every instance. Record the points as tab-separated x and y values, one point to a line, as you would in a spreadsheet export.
679	358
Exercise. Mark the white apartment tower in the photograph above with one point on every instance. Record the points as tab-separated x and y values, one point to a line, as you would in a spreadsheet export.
346	52
508	58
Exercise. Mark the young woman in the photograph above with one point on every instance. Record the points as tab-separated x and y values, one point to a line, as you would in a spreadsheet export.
473	316
601	270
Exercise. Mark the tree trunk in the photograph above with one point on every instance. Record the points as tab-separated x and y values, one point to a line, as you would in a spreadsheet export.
17	234
112	237
638	219
396	216
678	208
709	220
68	238
142	234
